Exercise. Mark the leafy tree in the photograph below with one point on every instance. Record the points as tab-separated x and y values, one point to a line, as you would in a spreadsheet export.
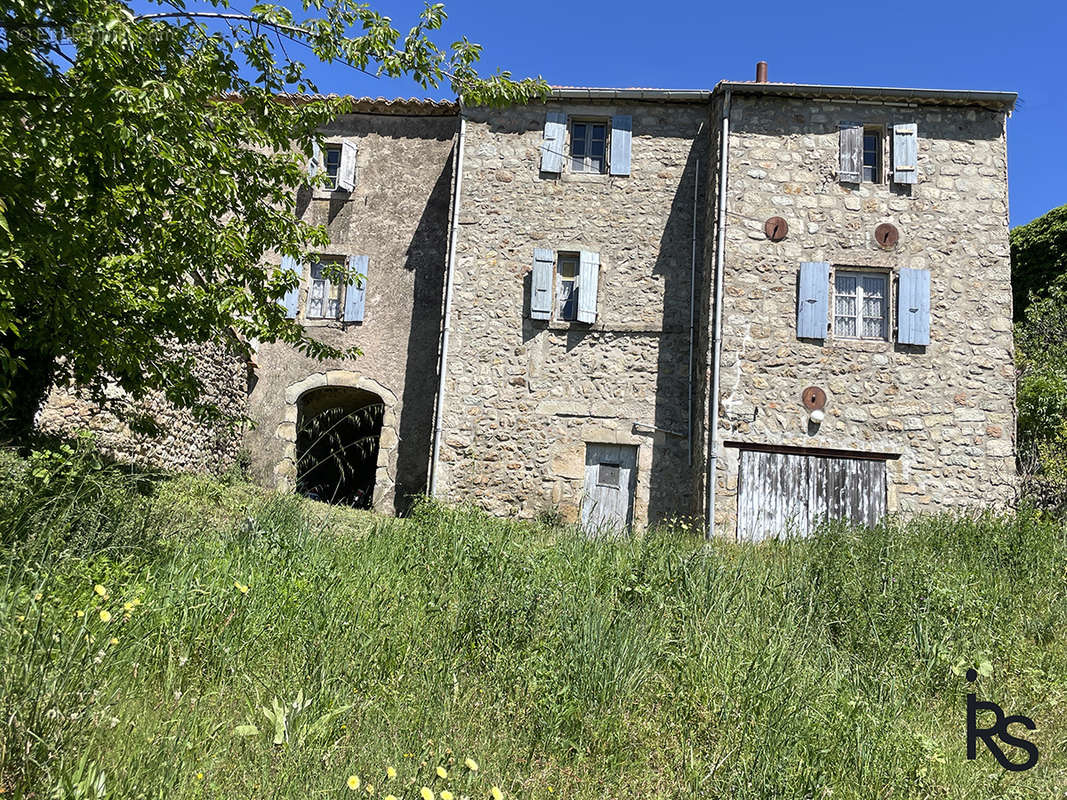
150	162
1038	258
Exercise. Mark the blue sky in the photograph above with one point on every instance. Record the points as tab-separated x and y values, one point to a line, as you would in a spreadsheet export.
692	44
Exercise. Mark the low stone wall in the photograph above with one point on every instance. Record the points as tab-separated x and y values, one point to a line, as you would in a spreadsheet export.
186	444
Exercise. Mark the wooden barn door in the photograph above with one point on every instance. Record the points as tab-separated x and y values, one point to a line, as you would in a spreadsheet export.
610	478
791	494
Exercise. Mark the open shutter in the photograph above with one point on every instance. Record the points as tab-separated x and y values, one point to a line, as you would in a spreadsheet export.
913	307
813	299
850	169
346	172
620	145
552	146
588	277
905	153
315	164
356	291
541	284
292	297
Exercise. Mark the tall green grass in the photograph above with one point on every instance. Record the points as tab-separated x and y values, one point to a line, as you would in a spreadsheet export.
658	666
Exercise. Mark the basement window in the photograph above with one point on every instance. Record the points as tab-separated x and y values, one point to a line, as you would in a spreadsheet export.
861	305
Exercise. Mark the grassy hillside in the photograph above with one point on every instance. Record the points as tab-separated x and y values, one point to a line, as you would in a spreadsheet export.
145	624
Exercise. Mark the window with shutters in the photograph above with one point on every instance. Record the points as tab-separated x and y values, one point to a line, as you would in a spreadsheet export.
332	154
872	154
861	305
567	286
324	296
589	140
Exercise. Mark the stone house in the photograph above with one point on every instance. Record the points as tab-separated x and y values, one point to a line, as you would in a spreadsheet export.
781	302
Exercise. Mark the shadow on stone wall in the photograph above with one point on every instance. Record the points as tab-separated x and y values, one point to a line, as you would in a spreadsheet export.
426	255
670	489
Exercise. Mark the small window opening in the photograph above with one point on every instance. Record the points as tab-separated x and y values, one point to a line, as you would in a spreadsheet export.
588	146
608	475
872	155
861	308
567	286
324	296
333	164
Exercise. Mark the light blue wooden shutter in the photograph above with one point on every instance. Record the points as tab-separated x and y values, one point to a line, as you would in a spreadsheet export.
356	291
588	277
552	146
620	145
913	307
292	297
541	284
905	153
850	169
346	171
813	299
316	165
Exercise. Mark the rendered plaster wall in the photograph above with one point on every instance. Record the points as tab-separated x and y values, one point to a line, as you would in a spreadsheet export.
397	215
947	409
525	397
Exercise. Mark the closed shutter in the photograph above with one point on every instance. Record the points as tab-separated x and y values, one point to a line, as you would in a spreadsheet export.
620	145
541	284
552	146
315	164
292	297
356	291
813	300
905	153
850	169
346	172
588	277
913	307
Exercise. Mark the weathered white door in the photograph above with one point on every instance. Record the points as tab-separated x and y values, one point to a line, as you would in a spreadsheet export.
790	494
610	478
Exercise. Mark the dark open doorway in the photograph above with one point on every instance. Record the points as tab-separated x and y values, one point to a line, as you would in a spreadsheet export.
337	439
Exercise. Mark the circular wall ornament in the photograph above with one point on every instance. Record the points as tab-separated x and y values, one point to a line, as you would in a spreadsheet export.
776	229
886	235
814	398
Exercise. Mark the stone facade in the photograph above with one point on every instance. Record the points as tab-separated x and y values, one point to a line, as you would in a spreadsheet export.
524	397
946	409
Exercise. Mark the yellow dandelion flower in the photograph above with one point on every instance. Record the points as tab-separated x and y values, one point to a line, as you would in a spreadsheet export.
114	640
447	795
80	613
390	797
390	773
38	596
370	788
200	776
105	615
242	588
472	765
496	793
100	590
353	782
442	772
128	605
425	793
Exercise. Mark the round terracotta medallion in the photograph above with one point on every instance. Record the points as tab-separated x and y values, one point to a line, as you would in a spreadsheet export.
814	398
776	229
886	235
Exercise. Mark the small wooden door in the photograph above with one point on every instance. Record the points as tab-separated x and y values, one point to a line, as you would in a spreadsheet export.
790	494
610	478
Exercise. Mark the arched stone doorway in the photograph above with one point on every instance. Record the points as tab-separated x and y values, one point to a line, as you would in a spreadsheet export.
337	442
306	397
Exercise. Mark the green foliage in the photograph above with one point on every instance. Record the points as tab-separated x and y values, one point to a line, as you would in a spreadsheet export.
651	667
150	164
1039	259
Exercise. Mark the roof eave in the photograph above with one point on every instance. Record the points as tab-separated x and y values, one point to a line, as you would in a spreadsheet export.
1002	101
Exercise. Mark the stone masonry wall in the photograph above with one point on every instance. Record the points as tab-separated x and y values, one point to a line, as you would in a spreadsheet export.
398	215
947	408
524	397
186	444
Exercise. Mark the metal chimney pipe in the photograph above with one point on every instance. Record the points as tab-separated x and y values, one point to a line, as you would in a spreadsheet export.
761	72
